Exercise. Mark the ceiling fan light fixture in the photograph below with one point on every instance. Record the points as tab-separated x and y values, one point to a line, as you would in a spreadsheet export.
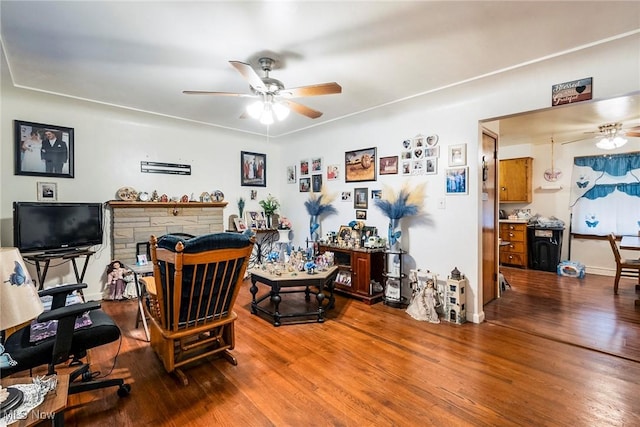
282	112
255	109
267	114
609	143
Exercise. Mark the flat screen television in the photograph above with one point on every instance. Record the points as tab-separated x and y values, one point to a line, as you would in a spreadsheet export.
48	227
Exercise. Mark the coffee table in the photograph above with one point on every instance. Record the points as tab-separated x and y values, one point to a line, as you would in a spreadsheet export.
292	282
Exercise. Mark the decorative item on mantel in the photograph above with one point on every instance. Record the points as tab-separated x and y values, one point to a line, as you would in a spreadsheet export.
269	205
407	202
318	204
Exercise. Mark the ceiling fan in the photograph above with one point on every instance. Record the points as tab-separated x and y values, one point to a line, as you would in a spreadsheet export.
273	97
611	135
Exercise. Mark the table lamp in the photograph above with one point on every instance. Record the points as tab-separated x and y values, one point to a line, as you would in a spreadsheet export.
19	303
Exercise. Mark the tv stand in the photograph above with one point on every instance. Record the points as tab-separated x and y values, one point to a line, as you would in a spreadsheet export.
66	256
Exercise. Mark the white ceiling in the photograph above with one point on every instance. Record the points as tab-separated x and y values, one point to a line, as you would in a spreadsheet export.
141	55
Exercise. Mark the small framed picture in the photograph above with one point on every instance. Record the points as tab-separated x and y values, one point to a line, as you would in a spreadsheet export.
240	224
254	219
304	167
457	180
458	155
142	259
432	152
418	141
432	140
431	165
291	174
406	167
316	164
361	214
376	194
388	165
316	182
360	200
333	172
47	191
305	184
346	196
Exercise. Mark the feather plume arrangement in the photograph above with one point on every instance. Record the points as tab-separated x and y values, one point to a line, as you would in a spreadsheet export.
407	202
320	204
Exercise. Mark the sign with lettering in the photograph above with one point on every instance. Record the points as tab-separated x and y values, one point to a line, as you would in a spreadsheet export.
575	91
169	168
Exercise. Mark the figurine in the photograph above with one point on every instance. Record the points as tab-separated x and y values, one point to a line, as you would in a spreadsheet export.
424	302
116	280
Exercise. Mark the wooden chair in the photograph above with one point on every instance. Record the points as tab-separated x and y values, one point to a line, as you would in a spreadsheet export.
190	302
624	267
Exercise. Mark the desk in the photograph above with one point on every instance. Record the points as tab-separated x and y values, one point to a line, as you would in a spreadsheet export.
53	406
141	270
630	242
66	257
302	281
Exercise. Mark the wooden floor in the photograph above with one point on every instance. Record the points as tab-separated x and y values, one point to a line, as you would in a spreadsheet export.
529	364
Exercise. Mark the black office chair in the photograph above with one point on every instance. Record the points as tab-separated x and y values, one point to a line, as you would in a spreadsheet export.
67	344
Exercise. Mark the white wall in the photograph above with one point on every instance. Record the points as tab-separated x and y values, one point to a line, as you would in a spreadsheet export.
110	143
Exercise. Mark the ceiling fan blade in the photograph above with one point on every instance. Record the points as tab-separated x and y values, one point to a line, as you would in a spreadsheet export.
633	134
204	92
576	140
302	109
249	74
312	90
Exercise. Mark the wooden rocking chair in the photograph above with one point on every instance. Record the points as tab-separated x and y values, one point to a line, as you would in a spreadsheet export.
191	298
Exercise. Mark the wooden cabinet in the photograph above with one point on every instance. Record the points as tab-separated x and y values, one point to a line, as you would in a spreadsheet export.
515	177
357	267
513	250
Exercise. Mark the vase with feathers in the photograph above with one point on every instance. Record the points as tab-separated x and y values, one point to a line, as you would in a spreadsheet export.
317	205
395	206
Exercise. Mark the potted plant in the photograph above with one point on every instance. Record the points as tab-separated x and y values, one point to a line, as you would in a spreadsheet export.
269	205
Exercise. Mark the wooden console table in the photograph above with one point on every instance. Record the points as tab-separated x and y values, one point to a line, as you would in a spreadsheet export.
357	268
66	257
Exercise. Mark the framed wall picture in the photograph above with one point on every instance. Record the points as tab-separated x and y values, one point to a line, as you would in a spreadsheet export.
304	167
291	174
47	191
458	155
43	150
431	165
360	165
361	214
305	184
316	164
376	194
388	165
253	167
346	196
457	180
360	200
333	172
316	182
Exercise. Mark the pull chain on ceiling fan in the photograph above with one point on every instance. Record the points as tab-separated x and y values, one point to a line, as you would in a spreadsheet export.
553	174
273	98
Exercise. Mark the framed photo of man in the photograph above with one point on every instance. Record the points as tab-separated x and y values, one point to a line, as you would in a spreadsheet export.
43	150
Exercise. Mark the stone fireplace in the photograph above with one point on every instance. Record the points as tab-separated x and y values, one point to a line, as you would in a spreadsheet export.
135	222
